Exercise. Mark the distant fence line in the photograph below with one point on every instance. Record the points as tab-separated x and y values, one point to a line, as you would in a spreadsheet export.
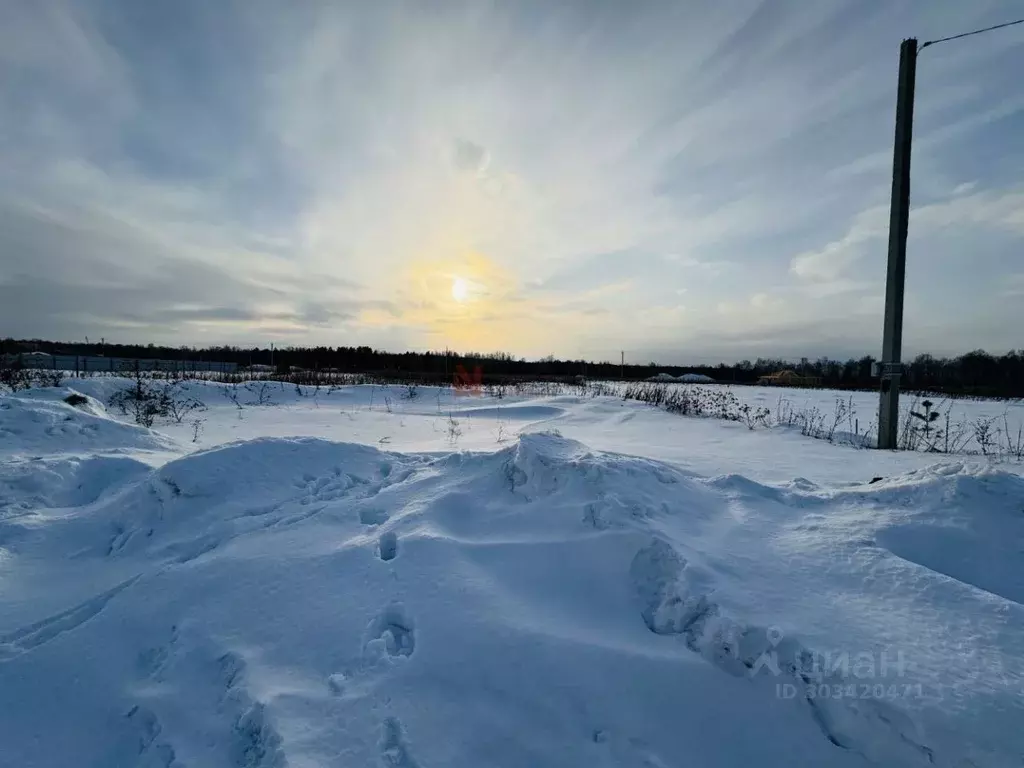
98	364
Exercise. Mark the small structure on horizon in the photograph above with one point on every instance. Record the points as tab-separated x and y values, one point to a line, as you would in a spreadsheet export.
789	378
30	360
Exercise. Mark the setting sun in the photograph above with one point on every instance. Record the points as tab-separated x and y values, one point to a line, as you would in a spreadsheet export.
460	289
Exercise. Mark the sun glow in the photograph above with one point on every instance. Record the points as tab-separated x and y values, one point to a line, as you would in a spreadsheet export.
460	289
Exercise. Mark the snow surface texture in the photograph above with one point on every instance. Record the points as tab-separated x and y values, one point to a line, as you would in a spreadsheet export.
335	580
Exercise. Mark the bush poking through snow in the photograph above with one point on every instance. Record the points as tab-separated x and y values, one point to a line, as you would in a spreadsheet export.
986	435
688	401
76	400
147	399
454	430
815	423
231	393
177	404
926	415
924	426
14	376
754	416
261	391
1014	443
44	378
140	401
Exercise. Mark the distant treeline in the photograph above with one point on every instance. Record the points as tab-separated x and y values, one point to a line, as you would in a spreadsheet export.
975	373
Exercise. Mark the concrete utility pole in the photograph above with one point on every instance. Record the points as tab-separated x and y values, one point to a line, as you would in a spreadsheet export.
899	218
891	365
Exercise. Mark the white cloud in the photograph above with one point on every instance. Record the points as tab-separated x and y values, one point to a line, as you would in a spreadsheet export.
989	208
965	188
831	263
1012	286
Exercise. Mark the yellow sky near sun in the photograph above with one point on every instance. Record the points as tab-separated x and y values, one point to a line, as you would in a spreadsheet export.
494	314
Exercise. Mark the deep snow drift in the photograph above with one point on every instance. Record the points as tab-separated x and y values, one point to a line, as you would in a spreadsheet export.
533	602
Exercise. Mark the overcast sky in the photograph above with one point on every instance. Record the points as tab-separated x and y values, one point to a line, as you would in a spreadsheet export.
686	181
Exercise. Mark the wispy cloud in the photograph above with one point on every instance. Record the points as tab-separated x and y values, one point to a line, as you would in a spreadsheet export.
832	262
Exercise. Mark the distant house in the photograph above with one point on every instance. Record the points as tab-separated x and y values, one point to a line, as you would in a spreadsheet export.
260	368
789	378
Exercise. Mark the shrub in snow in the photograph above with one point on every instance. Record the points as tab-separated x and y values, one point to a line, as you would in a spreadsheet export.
986	435
14	376
454	430
260	391
147	399
925	415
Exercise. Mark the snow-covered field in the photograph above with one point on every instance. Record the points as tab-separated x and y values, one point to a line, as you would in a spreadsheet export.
357	578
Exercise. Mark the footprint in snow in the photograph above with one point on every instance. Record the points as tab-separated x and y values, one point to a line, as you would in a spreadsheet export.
387	546
390	637
153	752
373	516
393	632
393	750
151	662
34	635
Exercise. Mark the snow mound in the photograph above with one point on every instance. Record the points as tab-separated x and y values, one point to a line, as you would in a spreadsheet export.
612	489
965	521
40	422
302	602
513	412
57	482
